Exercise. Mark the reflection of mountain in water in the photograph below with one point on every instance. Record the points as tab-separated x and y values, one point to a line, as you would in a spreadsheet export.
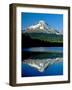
41	65
42	57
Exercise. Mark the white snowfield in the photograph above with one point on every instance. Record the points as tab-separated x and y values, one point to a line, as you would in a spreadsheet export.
40	25
41	65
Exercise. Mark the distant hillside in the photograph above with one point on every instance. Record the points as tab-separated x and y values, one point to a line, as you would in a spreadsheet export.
45	37
41	39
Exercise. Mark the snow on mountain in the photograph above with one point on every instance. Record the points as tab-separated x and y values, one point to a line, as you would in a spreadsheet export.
43	27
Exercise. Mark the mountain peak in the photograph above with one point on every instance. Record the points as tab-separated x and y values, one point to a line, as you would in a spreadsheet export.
42	22
42	26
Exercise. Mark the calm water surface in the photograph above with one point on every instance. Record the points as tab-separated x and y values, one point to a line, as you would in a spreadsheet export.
55	69
43	49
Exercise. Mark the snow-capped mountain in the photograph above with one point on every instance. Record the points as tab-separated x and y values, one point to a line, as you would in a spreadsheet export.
42	26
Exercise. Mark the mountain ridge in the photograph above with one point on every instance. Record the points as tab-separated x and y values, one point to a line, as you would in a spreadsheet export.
41	27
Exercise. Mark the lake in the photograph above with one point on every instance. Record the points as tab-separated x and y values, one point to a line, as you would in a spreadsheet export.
42	53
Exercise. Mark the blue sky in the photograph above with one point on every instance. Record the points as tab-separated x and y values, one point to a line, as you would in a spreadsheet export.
54	20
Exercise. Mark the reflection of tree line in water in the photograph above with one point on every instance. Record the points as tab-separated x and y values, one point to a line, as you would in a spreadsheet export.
41	55
41	39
